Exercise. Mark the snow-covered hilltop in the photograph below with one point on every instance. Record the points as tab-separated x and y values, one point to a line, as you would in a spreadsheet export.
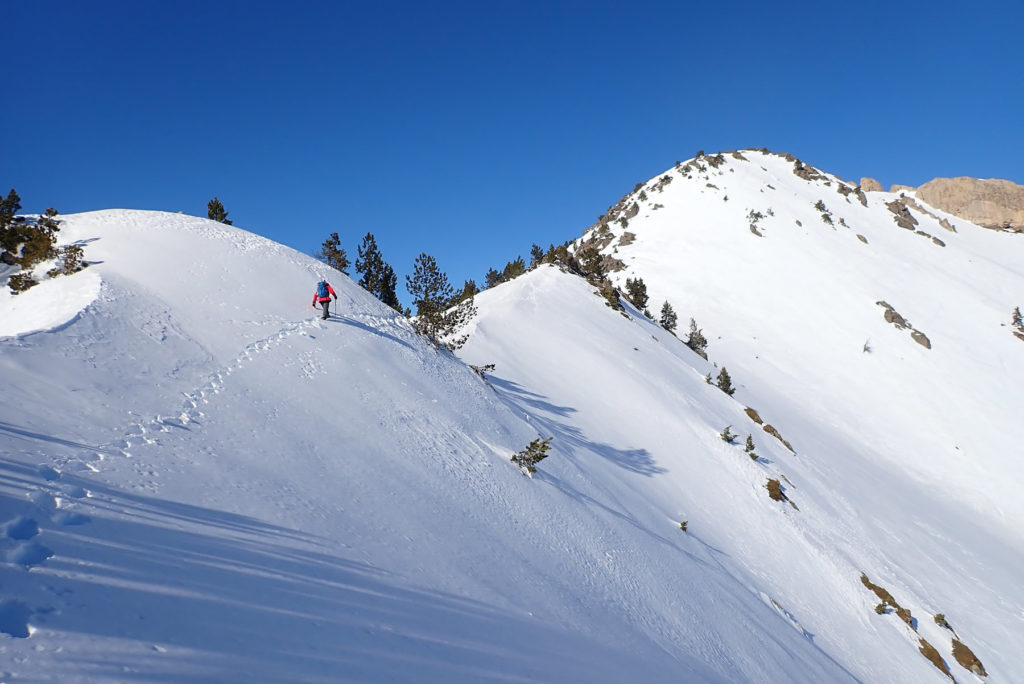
202	481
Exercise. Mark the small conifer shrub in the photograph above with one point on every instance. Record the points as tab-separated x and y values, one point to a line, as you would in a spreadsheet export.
668	319
469	289
535	451
26	243
727	435
332	254
725	382
636	290
591	263
215	211
19	282
71	261
682	525
536	256
696	341
40	240
610	294
748	448
482	371
492	278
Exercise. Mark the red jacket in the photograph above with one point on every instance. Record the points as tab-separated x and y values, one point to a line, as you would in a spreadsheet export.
330	291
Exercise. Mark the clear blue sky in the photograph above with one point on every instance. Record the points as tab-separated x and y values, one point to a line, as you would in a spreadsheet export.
470	130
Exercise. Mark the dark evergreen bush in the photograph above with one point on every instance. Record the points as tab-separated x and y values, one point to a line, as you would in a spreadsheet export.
332	254
725	382
378	278
536	451
668	318
536	256
215	211
636	290
439	313
696	341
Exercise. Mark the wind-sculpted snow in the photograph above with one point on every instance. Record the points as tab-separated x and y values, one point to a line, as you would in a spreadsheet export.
202	481
49	305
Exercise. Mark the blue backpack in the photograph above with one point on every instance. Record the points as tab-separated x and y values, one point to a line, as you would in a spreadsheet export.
321	289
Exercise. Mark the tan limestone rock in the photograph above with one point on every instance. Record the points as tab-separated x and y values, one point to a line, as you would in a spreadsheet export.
992	203
870	185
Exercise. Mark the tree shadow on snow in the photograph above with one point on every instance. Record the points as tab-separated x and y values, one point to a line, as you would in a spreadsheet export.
28	434
338	318
518	396
567	437
162	591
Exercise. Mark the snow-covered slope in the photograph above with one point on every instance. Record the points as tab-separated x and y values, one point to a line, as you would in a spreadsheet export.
908	459
202	481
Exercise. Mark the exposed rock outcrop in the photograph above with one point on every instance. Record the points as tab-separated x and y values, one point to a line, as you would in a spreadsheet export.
892	316
991	203
870	185
904	219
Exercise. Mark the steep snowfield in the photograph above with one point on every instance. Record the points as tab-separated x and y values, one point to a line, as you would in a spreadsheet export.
202	481
908	464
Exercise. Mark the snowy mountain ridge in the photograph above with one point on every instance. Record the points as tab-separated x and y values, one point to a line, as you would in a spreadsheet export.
960	301
205	482
798	280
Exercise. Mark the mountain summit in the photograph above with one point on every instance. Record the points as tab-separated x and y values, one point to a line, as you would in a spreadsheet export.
870	341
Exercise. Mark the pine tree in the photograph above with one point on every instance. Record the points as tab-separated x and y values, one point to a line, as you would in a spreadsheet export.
215	211
727	435
378	278
536	255
388	283
439	314
469	290
9	207
513	269
591	263
748	448
636	290
10	237
668	318
492	278
40	240
549	256
333	255
725	382
697	342
1018	320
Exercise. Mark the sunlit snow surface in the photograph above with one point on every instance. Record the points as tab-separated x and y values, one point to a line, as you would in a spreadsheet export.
202	481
